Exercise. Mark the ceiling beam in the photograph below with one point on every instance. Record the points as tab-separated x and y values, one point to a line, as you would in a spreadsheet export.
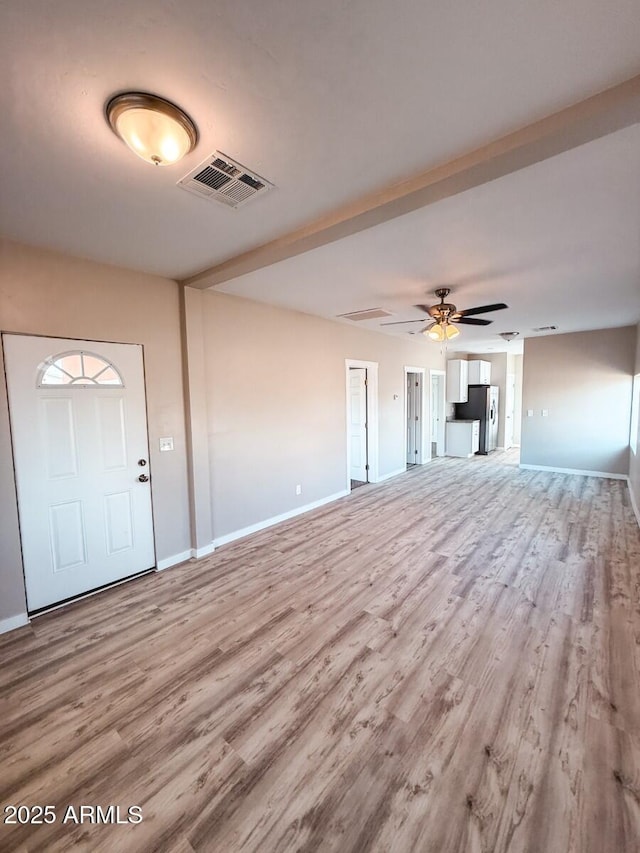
593	118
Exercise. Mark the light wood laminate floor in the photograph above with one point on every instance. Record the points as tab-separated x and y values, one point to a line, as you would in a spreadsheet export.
445	662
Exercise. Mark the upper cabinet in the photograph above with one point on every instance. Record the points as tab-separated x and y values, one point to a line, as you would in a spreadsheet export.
457	381
479	372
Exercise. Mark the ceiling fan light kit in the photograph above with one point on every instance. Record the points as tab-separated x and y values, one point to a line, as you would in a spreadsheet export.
441	331
155	129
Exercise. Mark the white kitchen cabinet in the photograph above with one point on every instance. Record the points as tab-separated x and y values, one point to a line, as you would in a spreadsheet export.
457	381
479	372
462	438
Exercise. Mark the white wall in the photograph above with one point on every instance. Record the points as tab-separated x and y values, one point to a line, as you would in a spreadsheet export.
275	389
45	293
584	380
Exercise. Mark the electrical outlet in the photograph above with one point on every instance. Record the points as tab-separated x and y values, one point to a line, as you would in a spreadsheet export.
166	444
298	490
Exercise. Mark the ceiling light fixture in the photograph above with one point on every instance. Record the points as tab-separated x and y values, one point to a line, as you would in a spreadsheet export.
509	336
155	129
441	331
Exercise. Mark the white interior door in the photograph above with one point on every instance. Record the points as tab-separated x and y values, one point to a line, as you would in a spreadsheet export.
509	410
438	413
358	423
79	432
434	409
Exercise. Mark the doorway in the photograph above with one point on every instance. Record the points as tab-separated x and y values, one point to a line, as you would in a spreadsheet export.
437	408
81	459
415	416
509	411
358	428
362	423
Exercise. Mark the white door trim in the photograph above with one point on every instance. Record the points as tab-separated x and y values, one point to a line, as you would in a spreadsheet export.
372	418
423	455
443	410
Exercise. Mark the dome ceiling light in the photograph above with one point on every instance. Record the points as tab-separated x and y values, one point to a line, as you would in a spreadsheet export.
155	129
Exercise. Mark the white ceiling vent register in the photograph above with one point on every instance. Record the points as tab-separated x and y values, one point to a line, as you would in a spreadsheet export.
219	178
368	314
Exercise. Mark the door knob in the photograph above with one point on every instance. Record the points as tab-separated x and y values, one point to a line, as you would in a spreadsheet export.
142	462
143	478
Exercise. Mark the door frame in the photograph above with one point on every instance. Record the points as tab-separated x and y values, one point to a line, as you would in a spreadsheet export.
442	406
372	417
423	455
4	331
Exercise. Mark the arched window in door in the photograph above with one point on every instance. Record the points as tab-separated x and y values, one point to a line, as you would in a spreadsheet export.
78	368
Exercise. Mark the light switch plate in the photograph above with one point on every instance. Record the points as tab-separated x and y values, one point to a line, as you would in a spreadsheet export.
166	444
529	413
545	413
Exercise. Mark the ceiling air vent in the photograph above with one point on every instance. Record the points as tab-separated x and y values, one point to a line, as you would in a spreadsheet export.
219	178
369	314
546	329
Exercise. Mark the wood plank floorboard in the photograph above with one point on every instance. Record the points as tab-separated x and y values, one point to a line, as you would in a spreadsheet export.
448	662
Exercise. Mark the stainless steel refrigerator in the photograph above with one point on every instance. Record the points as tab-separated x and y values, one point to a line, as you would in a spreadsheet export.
482	406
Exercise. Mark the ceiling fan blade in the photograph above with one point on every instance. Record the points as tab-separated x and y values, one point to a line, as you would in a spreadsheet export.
472	321
401	322
483	309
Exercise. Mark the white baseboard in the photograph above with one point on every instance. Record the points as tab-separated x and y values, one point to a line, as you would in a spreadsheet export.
634	503
605	474
13	622
391	474
174	560
276	519
204	551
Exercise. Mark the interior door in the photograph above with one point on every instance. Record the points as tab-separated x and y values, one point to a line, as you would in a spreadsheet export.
434	408
492	426
509	410
437	420
358	423
79	433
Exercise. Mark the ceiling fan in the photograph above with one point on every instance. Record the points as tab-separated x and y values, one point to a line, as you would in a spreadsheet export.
445	317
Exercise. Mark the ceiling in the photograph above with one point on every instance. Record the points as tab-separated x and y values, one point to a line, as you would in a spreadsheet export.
332	101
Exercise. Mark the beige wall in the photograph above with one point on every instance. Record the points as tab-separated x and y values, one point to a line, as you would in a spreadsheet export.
634	458
51	294
276	402
584	381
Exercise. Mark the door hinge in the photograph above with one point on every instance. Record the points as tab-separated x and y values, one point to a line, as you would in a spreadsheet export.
366	467
416	417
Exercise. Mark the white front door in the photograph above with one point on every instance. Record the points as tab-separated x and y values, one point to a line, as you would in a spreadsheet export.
358	423
81	457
